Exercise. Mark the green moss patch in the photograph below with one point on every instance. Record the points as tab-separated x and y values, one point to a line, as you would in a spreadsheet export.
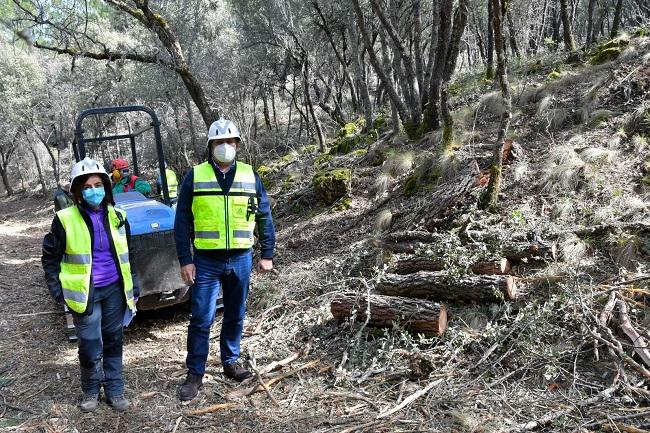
332	185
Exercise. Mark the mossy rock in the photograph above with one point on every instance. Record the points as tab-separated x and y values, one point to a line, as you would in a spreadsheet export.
289	157
322	160
309	149
332	185
535	68
371	137
360	152
555	74
619	42
605	55
411	185
348	129
345	145
265	173
645	180
343	204
642	32
455	88
290	181
379	123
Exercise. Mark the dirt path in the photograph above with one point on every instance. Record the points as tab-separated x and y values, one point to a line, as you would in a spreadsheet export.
39	384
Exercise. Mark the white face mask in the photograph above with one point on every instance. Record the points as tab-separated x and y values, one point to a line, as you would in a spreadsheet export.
224	153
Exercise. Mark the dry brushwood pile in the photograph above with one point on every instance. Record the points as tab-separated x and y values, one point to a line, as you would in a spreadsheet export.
402	306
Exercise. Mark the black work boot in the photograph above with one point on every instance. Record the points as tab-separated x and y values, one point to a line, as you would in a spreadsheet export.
235	371
190	388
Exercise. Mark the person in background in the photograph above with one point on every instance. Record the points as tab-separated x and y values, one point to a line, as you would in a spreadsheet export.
124	181
221	202
62	197
85	257
172	184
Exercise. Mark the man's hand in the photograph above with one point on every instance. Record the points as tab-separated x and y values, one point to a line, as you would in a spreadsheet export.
188	272
264	265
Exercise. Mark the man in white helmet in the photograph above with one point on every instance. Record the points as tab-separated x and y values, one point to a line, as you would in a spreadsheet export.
220	204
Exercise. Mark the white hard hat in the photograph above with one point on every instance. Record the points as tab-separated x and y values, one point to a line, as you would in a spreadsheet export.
87	166
223	128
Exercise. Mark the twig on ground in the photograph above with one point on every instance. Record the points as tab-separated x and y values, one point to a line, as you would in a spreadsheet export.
410	399
210	409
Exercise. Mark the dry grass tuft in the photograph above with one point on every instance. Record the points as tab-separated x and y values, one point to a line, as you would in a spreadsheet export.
383	220
640	143
492	103
545	104
382	183
564	170
574	249
599	156
399	164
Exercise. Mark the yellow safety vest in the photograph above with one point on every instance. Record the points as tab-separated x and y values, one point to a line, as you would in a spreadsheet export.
224	221
76	265
172	183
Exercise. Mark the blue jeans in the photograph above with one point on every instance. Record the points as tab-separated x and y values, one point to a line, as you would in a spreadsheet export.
100	340
231	276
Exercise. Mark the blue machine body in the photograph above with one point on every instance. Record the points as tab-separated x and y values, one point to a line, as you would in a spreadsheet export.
144	214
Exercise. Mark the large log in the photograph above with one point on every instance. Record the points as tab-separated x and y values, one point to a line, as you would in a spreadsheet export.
411	265
495	267
530	251
415	315
435	285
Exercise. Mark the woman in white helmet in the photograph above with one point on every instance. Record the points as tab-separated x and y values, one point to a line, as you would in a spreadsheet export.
86	263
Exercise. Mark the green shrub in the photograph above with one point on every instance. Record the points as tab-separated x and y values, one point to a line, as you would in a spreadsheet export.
348	129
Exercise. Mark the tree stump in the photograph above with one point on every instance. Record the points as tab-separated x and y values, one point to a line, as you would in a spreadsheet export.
415	315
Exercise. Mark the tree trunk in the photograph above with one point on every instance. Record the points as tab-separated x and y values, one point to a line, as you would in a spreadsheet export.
432	117
569	42
399	104
495	267
433	44
512	34
590	21
265	109
436	285
5	180
359	71
39	169
489	72
417	316
460	21
409	69
491	195
616	24
317	125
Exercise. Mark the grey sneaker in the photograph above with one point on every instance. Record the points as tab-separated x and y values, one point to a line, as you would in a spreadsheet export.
89	402
118	403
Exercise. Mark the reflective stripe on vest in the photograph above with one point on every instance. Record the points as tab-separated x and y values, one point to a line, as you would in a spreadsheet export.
76	265
223	221
172	183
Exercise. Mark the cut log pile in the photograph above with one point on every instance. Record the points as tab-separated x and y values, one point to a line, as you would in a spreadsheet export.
414	283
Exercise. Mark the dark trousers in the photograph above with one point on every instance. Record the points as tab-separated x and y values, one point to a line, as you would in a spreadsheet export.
100	342
230	276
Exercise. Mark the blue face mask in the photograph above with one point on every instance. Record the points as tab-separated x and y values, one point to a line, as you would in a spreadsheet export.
94	196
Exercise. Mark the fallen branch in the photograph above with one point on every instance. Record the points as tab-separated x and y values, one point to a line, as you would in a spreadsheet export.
243	392
210	409
410	399
638	342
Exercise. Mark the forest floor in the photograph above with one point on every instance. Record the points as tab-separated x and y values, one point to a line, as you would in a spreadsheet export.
534	364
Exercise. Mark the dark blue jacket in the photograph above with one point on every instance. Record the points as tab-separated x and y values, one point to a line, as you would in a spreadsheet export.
184	224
